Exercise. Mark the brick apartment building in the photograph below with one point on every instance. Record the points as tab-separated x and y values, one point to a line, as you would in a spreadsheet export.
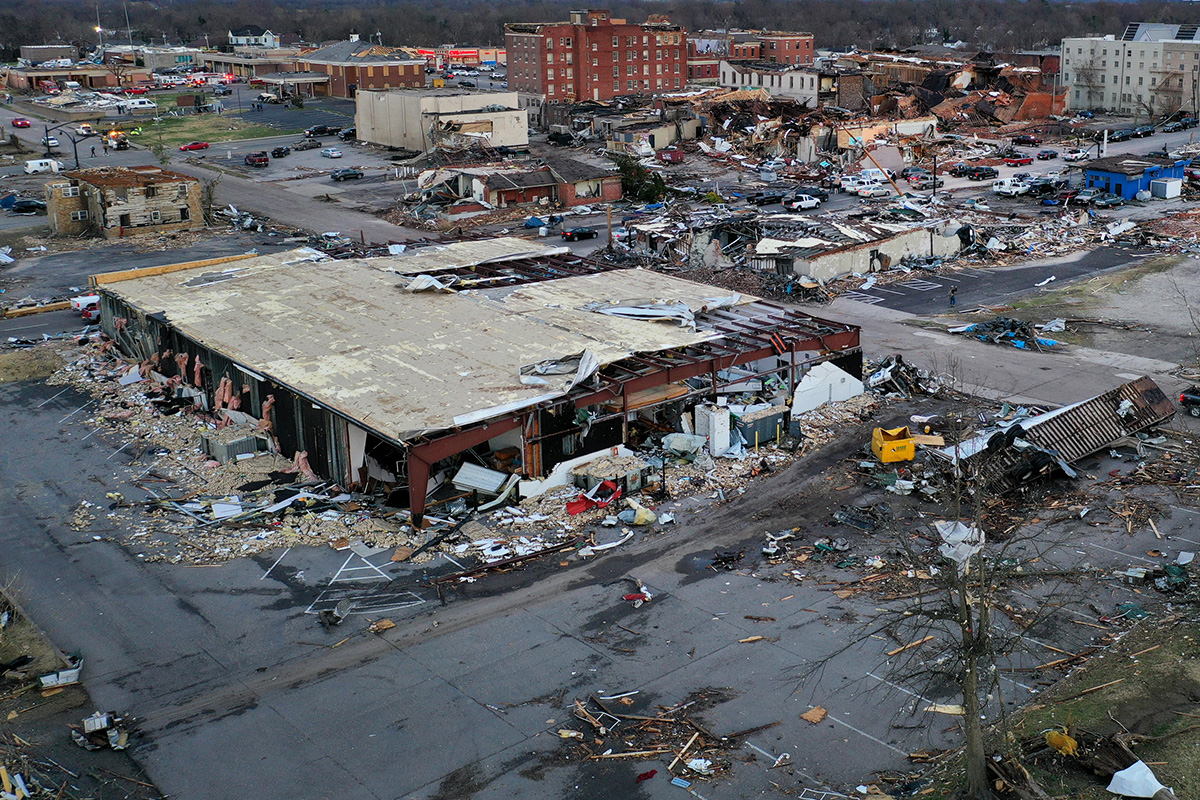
707	49
595	57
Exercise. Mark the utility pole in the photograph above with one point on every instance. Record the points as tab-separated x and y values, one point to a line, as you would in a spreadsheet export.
128	29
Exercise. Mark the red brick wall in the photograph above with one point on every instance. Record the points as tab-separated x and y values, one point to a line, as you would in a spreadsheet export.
546	64
788	48
610	192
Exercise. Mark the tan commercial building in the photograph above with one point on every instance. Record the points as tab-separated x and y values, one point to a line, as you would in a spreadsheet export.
123	201
1149	68
419	120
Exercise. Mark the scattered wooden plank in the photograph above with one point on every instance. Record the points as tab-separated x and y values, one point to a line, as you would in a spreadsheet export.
910	645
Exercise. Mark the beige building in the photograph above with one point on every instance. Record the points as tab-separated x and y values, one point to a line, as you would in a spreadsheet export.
1151	68
422	119
123	201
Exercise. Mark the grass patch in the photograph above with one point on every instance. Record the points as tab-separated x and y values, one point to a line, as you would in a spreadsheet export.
1156	689
1081	295
203	128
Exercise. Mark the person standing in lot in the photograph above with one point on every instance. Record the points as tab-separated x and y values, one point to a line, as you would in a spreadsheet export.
953	296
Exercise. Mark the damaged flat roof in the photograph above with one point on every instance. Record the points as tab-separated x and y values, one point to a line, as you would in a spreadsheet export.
348	335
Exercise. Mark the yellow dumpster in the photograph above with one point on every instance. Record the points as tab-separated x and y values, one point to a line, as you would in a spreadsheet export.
893	445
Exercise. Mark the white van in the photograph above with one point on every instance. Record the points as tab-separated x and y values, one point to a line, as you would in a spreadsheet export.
71	86
42	165
138	104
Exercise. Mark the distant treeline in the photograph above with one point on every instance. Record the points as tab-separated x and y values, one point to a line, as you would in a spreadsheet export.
992	24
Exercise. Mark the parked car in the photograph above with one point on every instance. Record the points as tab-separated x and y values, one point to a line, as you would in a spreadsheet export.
256	159
306	144
922	182
1010	188
982	173
1123	135
908	172
467	84
576	234
1086	196
193	146
346	174
331	152
813	191
1108	200
134	91
1085	114
21	122
874	190
1046	155
1027	140
349	134
801	201
961	169
1172	127
766	197
1189	400
1018	160
1076	155
29	207
320	130
280	152
1143	131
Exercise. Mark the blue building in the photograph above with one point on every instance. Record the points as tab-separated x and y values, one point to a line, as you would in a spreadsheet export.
1128	175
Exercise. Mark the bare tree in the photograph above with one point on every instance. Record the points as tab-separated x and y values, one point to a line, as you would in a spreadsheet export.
208	196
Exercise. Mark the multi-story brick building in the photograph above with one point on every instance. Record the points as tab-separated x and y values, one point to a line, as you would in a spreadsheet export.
595	57
707	49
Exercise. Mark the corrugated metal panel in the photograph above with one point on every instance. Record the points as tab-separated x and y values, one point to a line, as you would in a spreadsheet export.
470	476
1084	428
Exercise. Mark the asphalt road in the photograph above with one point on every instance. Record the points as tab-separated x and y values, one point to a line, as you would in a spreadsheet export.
928	293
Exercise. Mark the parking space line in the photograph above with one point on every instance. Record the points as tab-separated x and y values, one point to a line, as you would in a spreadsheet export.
276	564
119	449
799	772
76	411
862	298
1118	552
900	688
64	391
877	740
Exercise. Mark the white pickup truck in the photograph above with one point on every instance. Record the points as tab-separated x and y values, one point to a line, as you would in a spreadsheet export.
1009	187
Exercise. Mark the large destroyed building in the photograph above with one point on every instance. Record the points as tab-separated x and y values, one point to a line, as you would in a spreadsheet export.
398	370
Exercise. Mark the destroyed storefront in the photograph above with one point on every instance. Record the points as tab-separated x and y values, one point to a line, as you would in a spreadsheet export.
486	371
829	250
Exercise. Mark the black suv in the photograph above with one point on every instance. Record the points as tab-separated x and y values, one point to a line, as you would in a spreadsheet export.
813	191
1027	140
280	152
982	173
349	134
320	130
1189	400
766	198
